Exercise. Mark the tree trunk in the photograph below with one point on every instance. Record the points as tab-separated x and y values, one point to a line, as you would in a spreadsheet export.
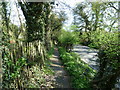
119	16
1	59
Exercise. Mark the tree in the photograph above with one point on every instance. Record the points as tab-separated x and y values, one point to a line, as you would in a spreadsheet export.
34	16
27	45
91	16
101	17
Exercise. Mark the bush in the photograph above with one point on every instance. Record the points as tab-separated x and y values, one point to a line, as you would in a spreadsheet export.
109	46
98	38
11	75
81	74
109	64
19	75
50	52
67	39
84	38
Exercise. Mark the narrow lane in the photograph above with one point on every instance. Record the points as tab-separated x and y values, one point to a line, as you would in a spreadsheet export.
90	57
87	55
61	77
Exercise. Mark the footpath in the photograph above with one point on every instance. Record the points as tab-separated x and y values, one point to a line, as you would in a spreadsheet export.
61	77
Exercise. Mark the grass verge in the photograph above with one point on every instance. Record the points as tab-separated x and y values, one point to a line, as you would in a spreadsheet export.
81	74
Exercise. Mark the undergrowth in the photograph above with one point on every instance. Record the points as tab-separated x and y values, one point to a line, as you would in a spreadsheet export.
21	75
81	74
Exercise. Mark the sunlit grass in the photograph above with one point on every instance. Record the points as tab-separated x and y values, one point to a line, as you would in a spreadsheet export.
81	74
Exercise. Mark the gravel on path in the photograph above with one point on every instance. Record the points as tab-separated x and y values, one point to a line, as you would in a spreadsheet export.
61	77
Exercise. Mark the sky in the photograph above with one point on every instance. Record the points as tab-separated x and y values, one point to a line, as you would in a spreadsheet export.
14	14
72	3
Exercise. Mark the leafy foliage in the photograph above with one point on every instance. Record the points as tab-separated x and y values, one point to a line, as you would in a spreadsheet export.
108	45
98	38
14	71
40	78
81	74
25	48
50	52
67	39
109	62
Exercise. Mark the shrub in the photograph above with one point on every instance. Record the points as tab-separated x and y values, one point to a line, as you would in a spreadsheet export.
109	65
98	38
50	52
81	74
67	39
109	61
11	75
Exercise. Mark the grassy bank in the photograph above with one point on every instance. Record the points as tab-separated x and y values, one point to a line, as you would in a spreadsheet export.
81	74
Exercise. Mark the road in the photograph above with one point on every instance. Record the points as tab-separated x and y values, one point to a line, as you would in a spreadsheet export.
87	55
90	57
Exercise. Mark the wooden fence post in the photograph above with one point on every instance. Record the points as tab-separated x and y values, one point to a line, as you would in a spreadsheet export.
1	59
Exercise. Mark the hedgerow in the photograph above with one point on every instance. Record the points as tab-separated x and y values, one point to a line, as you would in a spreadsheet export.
81	74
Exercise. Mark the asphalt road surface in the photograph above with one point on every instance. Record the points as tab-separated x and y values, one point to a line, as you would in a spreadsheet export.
90	57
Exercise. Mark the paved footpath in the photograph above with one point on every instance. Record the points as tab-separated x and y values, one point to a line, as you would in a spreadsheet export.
61	77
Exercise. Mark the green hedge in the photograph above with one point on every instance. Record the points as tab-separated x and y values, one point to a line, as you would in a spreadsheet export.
108	44
109	56
81	74
98	38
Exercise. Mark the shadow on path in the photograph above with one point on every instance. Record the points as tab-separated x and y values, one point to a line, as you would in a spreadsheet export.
61	76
